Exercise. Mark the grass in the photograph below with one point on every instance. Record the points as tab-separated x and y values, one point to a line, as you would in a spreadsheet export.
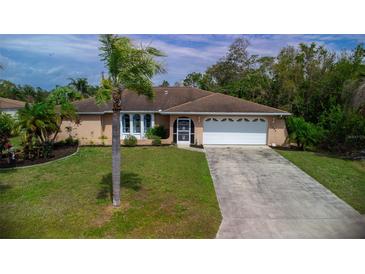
345	178
166	193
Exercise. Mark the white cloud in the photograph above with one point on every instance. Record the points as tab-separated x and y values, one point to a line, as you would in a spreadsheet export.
48	60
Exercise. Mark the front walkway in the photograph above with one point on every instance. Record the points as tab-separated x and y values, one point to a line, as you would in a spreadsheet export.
263	195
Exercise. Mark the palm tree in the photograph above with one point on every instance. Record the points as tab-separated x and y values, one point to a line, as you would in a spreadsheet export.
129	67
81	85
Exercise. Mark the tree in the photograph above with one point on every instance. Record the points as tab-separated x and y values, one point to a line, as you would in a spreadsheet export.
193	79
7	125
37	122
129	67
165	84
82	86
41	122
22	93
303	133
236	62
61	99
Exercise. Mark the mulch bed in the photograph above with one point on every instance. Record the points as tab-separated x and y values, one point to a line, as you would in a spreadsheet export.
57	153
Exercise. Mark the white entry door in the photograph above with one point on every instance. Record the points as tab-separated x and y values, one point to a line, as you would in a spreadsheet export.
183	131
235	131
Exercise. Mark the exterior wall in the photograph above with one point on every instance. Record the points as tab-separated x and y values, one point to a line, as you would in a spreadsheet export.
91	128
277	133
106	127
162	120
88	130
97	129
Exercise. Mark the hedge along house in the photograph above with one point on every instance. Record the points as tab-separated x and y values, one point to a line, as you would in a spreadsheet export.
190	115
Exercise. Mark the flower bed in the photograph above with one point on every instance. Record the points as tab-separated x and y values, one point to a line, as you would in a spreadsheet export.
57	153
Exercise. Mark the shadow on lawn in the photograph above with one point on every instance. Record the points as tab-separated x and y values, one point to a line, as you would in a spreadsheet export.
4	187
128	180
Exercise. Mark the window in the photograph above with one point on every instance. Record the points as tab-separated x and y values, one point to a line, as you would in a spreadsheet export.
136	123
230	119
126	123
246	120
147	122
209	119
224	119
239	120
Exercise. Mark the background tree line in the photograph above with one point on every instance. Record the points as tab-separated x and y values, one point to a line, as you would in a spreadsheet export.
324	89
30	94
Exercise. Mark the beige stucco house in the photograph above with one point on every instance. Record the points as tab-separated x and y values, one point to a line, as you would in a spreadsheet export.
191	116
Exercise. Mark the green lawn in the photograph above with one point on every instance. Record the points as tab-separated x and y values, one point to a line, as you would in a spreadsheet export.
166	193
345	178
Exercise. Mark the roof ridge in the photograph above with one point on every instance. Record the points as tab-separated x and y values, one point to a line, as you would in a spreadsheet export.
189	102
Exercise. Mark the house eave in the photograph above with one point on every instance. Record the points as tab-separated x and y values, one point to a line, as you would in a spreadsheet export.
192	113
229	113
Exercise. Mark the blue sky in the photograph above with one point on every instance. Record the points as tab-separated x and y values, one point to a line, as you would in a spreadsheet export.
49	60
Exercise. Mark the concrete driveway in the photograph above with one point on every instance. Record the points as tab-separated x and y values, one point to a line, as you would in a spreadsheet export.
262	195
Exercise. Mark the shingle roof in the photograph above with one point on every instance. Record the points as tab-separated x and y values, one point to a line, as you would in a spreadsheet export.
6	103
218	102
177	100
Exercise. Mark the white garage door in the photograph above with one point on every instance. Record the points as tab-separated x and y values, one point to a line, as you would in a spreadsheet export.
235	131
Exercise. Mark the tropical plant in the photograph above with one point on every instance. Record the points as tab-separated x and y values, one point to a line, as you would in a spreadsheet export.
61	99
129	67
82	86
157	130
303	133
38	121
7	125
130	141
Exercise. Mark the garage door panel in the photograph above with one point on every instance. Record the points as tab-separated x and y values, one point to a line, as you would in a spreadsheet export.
235	132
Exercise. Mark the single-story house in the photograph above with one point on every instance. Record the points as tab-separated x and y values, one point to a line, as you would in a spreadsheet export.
190	115
10	106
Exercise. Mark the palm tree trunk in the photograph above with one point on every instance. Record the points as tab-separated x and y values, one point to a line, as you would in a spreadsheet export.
116	157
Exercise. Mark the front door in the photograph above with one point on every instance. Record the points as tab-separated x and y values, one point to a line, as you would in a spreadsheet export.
183	131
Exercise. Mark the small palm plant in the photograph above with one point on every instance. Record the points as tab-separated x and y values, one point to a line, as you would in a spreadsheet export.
129	67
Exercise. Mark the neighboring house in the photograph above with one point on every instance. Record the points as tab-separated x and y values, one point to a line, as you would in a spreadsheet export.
191	116
10	106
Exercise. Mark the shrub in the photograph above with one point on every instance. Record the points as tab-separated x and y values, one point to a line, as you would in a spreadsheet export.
130	141
7	125
303	133
159	131
156	141
344	130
